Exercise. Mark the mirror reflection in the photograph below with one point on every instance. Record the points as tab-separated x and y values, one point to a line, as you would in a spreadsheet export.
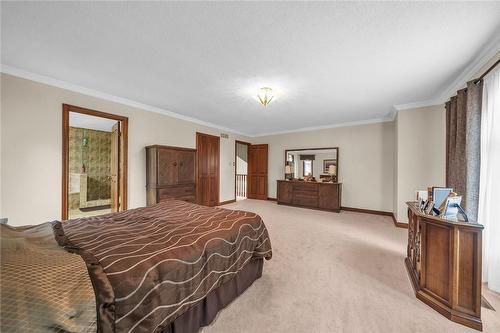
312	164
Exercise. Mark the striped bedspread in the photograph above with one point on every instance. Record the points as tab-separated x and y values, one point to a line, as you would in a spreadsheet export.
149	265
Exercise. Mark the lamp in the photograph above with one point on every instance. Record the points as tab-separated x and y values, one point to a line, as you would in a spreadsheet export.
288	170
265	96
332	170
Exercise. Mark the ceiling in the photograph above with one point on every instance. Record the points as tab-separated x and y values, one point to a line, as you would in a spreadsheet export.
91	122
332	63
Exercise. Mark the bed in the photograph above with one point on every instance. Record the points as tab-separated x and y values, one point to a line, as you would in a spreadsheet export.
165	268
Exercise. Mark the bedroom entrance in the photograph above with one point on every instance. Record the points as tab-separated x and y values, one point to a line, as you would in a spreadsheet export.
94	179
250	171
241	169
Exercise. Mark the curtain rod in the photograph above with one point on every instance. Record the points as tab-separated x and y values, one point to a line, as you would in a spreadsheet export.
487	71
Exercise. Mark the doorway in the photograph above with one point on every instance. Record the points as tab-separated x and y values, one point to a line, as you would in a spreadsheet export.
241	169
94	177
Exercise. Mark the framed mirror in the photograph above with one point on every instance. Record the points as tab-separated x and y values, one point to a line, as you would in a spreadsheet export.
320	164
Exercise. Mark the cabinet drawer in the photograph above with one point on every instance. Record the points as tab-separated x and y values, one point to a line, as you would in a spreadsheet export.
301	193
188	198
309	201
305	188
177	191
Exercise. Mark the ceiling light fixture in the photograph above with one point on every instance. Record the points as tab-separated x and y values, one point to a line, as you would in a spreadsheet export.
265	96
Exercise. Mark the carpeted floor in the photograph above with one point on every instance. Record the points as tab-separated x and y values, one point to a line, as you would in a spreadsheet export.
334	273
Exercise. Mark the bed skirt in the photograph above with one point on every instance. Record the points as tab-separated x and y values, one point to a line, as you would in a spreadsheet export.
205	312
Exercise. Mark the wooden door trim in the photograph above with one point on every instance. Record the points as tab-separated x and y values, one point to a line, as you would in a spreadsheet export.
198	135
248	144
123	181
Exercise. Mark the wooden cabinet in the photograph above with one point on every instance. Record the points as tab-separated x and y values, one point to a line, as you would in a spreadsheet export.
170	173
324	196
443	261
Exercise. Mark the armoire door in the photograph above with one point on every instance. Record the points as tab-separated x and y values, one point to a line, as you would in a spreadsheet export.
167	167
207	158
185	160
257	172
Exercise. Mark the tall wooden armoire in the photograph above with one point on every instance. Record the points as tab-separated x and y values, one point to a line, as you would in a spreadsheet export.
170	173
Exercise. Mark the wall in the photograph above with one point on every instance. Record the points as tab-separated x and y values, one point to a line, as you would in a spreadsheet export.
31	168
420	153
366	161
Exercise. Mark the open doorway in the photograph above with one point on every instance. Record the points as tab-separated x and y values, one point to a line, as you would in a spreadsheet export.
241	169
94	179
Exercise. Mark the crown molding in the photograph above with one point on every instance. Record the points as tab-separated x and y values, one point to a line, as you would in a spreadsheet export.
414	105
479	61
108	97
487	53
10	70
315	128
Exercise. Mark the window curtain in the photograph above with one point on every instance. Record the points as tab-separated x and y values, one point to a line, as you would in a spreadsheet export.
463	128
489	198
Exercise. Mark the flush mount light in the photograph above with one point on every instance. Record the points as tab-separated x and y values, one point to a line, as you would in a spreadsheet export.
265	96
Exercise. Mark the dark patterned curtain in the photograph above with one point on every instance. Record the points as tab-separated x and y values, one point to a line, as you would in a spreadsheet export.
463	134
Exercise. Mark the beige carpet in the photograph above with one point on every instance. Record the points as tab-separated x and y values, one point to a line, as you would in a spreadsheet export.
334	273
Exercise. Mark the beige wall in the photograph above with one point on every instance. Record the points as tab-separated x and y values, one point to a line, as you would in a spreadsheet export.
31	147
420	153
366	161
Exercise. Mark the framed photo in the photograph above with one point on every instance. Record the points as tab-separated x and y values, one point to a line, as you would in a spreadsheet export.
327	163
429	207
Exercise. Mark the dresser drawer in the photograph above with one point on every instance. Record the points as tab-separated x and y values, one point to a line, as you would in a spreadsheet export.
305	200
177	192
188	198
305	188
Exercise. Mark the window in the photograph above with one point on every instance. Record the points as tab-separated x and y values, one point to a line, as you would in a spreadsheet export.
307	168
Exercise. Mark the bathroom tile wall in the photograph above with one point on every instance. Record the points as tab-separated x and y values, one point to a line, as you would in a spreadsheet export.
90	153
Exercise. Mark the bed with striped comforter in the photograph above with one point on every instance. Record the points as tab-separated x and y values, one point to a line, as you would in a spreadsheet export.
149	265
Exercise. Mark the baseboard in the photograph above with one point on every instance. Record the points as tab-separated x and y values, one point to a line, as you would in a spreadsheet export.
272	199
227	202
378	212
367	211
399	224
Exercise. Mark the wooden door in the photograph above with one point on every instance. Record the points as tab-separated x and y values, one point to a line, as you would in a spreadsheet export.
186	164
207	156
257	172
115	167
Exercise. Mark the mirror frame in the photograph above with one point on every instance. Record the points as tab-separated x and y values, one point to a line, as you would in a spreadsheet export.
302	149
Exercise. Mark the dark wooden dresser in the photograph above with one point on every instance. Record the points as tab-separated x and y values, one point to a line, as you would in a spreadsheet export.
443	260
316	195
170	173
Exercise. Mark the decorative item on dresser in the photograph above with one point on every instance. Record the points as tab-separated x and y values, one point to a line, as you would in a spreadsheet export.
316	195
444	264
170	173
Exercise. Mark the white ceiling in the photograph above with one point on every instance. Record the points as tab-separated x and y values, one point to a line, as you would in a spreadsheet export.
333	63
91	122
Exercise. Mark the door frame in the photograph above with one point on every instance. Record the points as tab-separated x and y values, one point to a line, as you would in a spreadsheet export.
198	134
248	144
123	178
